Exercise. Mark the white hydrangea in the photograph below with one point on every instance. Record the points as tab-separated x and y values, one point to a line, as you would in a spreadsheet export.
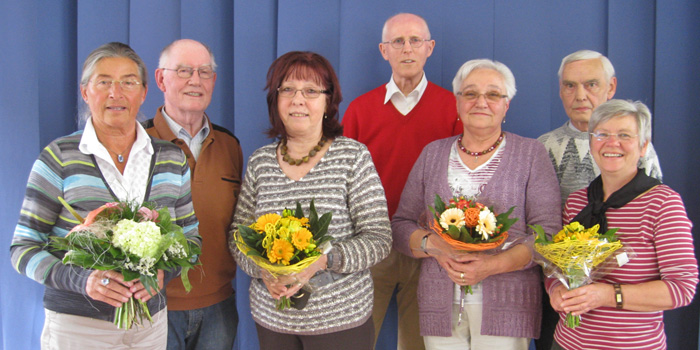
176	250
139	238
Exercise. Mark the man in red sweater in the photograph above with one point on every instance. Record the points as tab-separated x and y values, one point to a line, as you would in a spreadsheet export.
206	317
396	121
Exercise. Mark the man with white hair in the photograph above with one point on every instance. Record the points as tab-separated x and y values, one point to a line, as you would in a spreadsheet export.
586	80
206	317
395	121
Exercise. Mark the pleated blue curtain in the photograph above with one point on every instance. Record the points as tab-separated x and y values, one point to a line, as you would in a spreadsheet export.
653	45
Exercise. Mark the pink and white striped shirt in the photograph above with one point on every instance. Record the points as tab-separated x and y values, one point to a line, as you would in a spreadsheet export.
657	227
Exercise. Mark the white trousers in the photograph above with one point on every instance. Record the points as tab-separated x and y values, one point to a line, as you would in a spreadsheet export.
69	332
467	335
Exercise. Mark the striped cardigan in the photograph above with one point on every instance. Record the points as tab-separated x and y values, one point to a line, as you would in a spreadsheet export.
345	183
62	170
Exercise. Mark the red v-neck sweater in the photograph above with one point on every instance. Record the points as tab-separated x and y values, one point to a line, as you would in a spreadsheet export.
395	140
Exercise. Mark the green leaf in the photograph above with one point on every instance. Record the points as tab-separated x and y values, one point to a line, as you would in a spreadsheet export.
439	204
503	218
540	235
299	213
610	235
453	231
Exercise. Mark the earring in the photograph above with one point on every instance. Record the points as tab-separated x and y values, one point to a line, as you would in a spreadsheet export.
504	120
325	116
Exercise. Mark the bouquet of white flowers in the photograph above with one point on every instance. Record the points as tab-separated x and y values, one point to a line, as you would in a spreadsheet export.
133	239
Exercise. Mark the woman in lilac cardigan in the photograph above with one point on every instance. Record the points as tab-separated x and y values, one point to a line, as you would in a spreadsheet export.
504	310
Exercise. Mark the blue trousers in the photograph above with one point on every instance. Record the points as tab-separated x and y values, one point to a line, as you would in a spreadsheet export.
212	327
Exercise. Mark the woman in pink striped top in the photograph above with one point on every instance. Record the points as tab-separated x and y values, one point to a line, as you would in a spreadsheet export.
624	309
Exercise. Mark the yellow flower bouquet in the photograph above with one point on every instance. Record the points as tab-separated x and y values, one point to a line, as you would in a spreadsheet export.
576	256
284	244
468	226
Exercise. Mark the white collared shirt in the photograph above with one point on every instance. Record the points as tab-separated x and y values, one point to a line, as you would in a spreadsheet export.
131	186
193	142
404	104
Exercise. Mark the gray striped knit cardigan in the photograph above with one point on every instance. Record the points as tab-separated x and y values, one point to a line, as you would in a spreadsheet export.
62	170
345	183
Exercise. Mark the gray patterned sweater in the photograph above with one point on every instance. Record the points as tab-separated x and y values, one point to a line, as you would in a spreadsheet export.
62	170
345	183
570	154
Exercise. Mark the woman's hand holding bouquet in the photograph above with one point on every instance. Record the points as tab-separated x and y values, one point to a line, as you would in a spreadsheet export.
466	229
288	249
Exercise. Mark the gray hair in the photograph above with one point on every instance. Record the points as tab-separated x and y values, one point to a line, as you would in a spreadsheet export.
470	66
165	53
385	29
621	108
588	55
109	50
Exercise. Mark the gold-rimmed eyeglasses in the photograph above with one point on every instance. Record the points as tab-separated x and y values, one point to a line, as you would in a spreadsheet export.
491	96
126	85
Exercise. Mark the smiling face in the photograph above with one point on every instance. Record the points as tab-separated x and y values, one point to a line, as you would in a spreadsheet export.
582	88
613	156
301	116
185	96
407	62
113	108
482	115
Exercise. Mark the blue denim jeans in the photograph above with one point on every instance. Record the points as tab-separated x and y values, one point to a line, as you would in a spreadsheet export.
210	328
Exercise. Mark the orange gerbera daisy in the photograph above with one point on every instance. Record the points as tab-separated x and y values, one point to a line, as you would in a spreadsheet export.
281	252
302	238
266	219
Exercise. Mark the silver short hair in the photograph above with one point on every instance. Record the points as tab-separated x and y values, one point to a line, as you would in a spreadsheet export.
470	66
385	29
164	54
621	108
109	50
588	55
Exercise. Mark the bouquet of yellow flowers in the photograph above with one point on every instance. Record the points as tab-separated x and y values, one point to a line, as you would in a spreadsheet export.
134	239
576	256
284	244
468	226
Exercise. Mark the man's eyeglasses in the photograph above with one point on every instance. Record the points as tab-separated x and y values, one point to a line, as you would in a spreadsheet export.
604	136
126	85
309	93
491	96
205	72
399	43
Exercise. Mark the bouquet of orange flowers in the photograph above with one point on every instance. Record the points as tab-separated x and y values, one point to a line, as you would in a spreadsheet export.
284	244
468	226
577	255
135	239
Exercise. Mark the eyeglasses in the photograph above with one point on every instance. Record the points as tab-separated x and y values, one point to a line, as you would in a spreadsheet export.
126	85
604	136
399	43
309	93
491	96
205	72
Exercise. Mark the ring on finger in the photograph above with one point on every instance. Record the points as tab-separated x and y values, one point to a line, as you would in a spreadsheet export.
461	276
105	281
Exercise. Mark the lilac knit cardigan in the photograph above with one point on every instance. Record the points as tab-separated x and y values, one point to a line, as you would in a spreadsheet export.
525	179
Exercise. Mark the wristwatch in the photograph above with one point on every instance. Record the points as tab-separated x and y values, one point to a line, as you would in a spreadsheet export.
424	244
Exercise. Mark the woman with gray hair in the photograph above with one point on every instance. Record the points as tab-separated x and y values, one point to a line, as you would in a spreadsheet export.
498	169
650	218
112	159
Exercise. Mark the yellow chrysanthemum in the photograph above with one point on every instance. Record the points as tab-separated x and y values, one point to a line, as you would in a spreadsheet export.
283	233
301	238
261	223
452	216
559	237
281	252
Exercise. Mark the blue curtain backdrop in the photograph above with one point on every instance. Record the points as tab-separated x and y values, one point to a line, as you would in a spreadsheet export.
654	46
